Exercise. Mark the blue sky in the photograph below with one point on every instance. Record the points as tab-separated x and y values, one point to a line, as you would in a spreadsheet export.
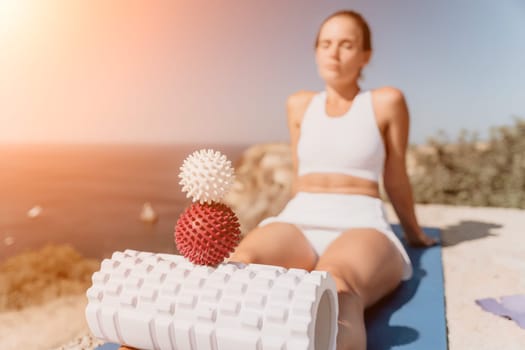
201	71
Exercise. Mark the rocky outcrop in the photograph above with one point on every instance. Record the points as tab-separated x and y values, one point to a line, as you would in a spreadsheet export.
262	187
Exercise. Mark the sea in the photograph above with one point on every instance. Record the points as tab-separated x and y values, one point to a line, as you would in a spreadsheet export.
91	196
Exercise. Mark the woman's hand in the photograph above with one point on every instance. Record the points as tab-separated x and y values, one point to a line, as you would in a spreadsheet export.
421	240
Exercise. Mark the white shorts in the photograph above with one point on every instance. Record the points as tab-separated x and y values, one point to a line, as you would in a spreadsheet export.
322	217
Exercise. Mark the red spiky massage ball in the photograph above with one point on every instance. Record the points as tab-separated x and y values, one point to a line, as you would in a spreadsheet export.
207	233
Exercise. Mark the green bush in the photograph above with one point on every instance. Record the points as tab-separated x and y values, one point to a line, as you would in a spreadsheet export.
469	172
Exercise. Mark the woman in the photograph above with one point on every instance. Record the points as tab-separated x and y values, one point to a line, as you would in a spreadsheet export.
343	139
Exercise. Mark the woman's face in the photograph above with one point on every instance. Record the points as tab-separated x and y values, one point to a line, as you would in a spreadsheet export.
339	54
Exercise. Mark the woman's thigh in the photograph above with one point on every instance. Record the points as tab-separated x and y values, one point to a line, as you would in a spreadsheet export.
276	243
364	261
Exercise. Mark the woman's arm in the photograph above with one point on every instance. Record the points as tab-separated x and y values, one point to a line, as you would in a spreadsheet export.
397	184
296	106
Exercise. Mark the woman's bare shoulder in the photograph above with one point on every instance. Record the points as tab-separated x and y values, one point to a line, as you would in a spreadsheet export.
389	102
388	94
300	98
298	102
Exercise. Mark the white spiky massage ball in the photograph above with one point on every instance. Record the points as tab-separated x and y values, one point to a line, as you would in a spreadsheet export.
206	176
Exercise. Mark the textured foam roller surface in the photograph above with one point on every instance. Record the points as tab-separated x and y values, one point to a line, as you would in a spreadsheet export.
412	317
162	301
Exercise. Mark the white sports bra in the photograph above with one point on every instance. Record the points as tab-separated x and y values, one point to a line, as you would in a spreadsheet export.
349	144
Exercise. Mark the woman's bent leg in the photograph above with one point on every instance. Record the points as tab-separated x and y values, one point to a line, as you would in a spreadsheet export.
366	267
276	243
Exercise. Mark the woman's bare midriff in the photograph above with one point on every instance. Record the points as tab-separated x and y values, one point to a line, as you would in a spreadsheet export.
337	183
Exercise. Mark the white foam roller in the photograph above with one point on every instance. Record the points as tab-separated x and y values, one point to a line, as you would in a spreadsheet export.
162	301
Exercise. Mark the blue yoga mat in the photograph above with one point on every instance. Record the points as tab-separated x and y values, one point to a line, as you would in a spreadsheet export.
413	316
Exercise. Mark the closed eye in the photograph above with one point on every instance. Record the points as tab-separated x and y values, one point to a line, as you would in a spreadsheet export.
346	43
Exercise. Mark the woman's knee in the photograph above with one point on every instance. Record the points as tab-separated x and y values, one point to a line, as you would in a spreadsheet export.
253	248
245	256
345	281
245	252
270	244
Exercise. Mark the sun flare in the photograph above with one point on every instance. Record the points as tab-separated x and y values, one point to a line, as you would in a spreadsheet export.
12	13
